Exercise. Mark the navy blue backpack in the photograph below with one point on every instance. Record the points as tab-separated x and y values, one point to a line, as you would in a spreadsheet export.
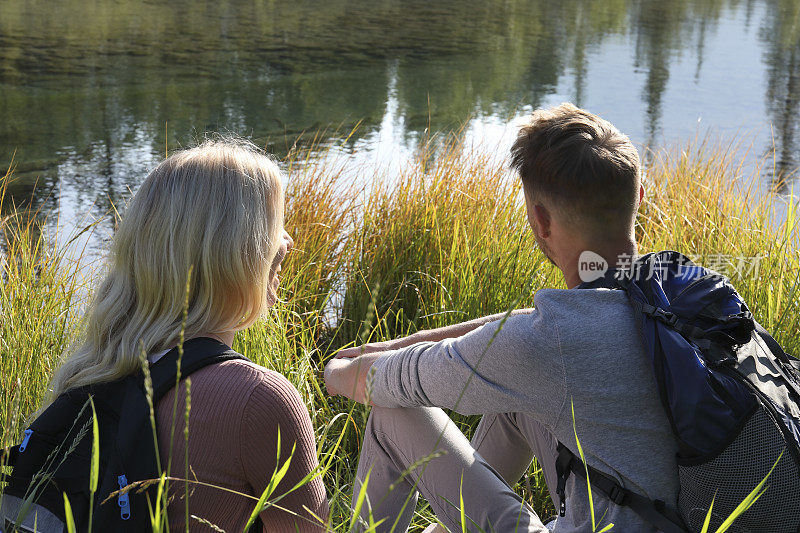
731	394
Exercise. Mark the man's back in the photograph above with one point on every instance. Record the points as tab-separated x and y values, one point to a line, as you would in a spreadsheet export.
582	185
581	348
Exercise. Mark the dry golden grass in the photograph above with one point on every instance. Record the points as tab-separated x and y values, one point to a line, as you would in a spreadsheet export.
443	241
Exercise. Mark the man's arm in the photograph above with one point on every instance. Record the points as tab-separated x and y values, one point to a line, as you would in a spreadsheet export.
430	335
347	373
506	365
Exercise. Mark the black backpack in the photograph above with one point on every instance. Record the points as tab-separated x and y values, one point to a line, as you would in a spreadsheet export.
730	392
54	456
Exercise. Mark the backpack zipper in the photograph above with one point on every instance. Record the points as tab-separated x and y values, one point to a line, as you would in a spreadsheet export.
123	499
25	439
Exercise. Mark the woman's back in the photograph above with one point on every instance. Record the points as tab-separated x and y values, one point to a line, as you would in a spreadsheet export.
198	253
237	409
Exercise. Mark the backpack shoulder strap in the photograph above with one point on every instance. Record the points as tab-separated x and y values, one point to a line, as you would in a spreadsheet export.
654	512
137	462
197	353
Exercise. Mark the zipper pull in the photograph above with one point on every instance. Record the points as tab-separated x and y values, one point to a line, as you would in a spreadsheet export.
25	439
123	499
563	470
562	494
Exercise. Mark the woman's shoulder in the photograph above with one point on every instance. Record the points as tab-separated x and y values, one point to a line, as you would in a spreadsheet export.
272	405
246	383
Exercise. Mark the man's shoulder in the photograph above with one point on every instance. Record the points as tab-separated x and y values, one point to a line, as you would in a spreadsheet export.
565	315
601	295
598	317
592	305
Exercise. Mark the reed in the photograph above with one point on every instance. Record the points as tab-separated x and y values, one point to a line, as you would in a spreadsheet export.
38	298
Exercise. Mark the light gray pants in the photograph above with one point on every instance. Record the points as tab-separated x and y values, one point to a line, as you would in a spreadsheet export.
410	450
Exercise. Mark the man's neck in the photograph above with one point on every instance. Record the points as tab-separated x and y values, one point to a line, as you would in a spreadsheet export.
611	252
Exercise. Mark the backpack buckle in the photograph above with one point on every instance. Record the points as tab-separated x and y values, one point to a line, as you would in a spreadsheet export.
619	495
670	319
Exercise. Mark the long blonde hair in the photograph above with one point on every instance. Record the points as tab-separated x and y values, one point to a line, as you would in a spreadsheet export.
216	211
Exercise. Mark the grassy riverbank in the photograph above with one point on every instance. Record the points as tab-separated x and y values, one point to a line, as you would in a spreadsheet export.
444	241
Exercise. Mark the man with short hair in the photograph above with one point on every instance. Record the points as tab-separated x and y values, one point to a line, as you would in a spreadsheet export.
577	350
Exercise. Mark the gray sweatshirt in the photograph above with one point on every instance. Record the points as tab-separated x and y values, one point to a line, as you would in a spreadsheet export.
578	347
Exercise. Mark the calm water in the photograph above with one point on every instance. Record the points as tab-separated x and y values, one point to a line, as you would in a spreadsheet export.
91	92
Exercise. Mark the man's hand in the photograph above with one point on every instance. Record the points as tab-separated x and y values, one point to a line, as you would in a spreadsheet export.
348	376
355	351
350	353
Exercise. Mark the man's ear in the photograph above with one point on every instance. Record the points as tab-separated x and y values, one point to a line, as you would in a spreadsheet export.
541	217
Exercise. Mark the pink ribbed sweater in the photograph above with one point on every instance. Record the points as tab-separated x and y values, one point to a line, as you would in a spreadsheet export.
236	410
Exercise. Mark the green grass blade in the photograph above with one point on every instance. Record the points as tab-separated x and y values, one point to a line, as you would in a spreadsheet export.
751	498
462	514
94	469
68	515
157	517
94	472
585	466
280	473
707	522
362	495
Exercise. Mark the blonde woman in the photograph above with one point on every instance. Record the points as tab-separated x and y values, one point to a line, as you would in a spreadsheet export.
215	210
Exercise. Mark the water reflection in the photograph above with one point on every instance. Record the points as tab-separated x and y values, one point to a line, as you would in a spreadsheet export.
781	33
91	94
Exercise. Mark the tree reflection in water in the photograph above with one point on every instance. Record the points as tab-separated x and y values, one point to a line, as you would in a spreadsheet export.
89	91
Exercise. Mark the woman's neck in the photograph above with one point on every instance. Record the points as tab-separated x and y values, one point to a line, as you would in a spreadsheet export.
225	337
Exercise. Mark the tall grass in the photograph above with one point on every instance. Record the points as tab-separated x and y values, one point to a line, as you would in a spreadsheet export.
444	240
38	295
701	201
